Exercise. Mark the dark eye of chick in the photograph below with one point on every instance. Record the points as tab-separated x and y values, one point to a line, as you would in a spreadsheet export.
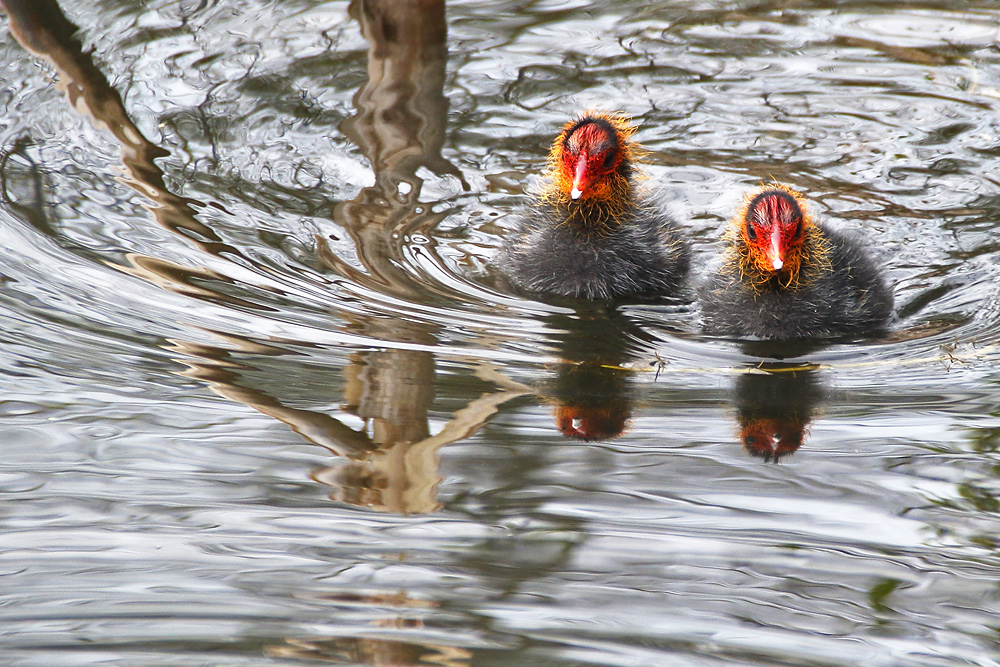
751	232
609	159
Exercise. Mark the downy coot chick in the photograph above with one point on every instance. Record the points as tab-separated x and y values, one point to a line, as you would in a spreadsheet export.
785	276
589	233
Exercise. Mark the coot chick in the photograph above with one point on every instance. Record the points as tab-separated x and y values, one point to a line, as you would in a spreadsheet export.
589	233
785	276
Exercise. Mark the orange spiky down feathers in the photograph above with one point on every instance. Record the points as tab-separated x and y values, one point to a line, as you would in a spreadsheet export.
774	240
591	168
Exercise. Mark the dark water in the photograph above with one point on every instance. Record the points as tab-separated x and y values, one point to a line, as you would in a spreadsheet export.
264	404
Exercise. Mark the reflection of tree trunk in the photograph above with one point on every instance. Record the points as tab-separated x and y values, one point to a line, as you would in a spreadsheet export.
401	109
395	388
400	126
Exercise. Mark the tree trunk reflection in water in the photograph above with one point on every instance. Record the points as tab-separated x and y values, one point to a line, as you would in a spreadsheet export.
400	126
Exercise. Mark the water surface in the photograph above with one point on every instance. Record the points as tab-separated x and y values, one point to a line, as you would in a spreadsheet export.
265	402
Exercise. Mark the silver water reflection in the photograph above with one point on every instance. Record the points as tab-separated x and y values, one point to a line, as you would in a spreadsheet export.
400	127
318	262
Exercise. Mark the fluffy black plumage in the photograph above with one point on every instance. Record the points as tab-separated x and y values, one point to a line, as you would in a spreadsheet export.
559	251
846	296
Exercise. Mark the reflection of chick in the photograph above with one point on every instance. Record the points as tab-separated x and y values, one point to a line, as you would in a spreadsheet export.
770	438
589	234
591	386
774	411
593	401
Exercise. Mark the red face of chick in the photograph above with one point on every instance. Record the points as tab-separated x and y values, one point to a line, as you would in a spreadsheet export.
773	230
591	152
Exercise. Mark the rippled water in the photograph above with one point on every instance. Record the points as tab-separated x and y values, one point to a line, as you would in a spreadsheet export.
265	404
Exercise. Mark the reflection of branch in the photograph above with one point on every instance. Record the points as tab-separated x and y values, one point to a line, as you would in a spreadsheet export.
42	28
185	280
405	472
214	367
490	373
468	420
